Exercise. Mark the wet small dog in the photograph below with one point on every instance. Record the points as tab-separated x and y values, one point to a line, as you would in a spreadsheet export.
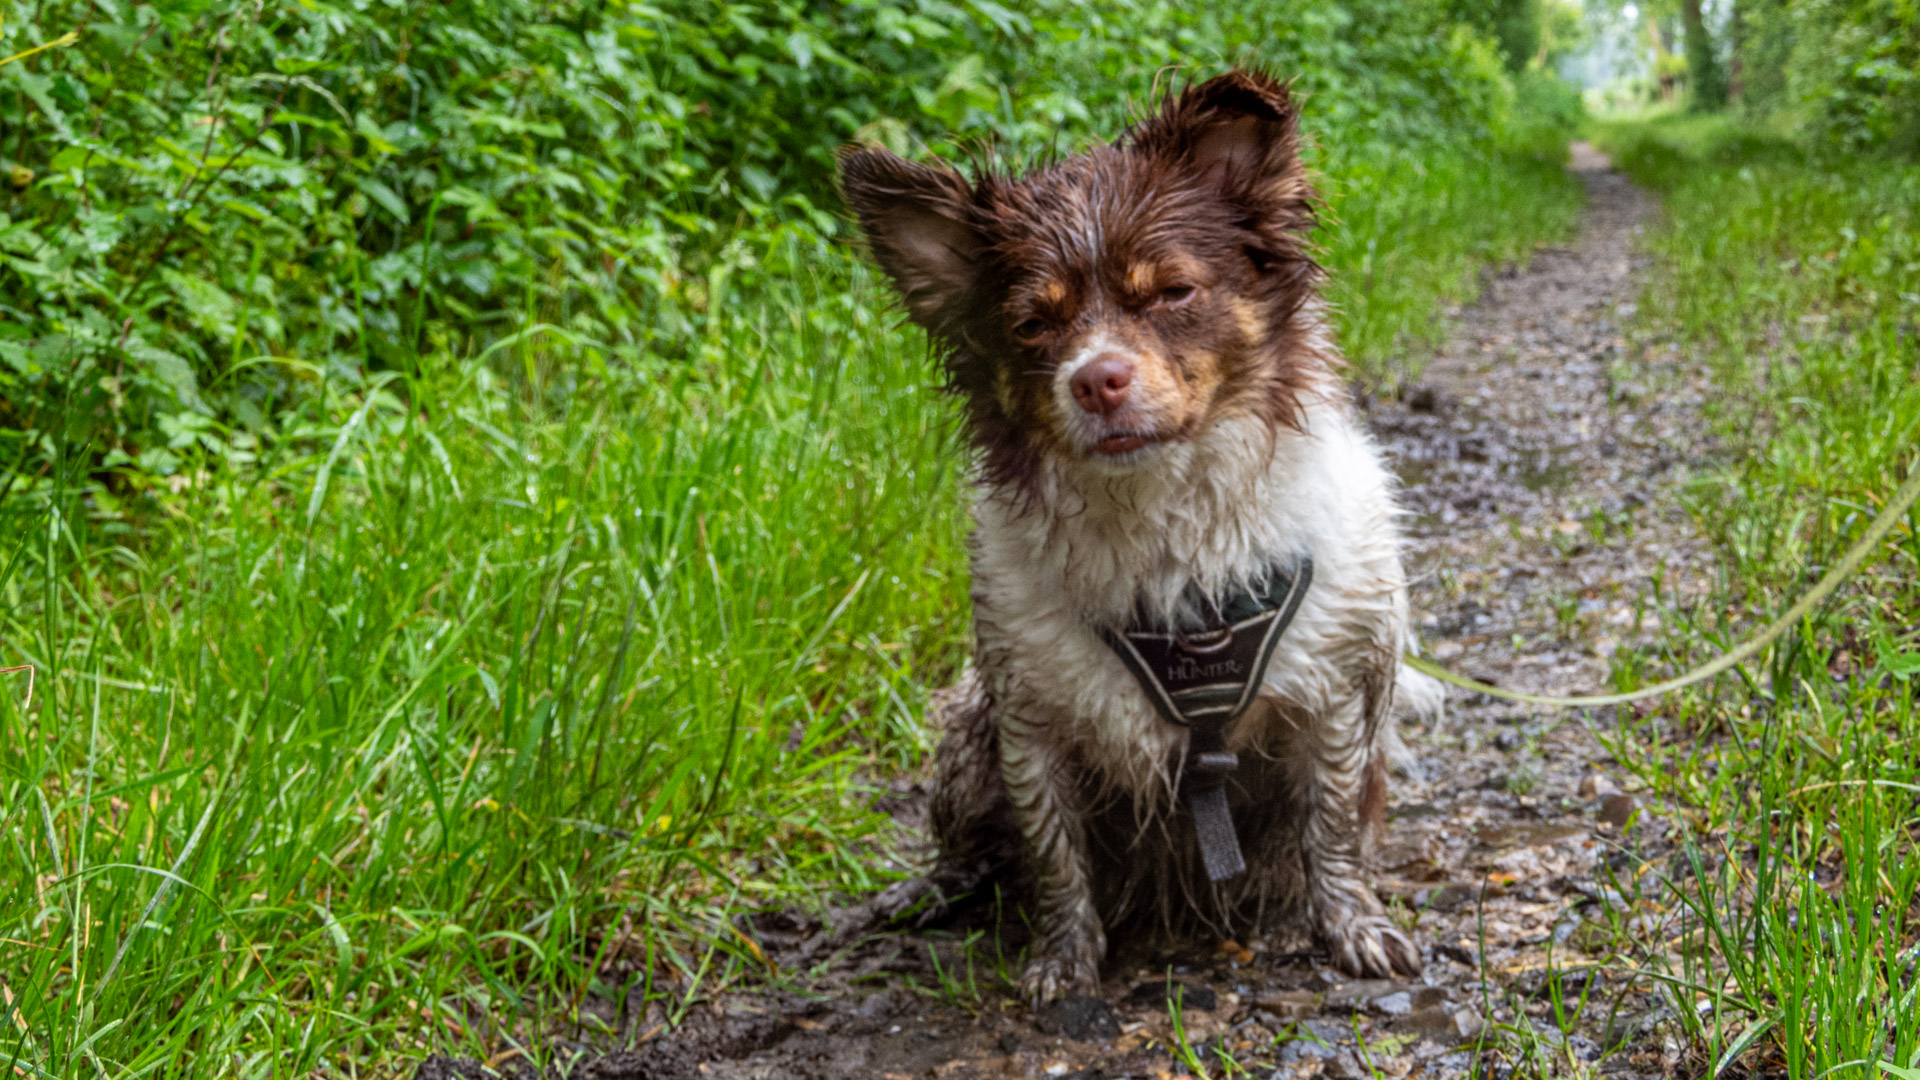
1161	422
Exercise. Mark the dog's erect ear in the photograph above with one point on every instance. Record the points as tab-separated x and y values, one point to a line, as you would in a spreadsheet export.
917	221
1238	133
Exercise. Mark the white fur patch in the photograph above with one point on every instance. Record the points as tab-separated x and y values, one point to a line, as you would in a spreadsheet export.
1218	510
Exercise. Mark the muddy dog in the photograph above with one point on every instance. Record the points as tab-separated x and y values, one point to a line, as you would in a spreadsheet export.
1188	597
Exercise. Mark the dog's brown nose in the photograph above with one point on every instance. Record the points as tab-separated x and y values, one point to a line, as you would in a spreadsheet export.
1100	386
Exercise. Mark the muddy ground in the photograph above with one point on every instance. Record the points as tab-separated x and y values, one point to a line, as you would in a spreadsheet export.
1539	460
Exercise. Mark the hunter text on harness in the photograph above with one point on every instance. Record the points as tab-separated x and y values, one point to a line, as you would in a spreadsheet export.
1202	678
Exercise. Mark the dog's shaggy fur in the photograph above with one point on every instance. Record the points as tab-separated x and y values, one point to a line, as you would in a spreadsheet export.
1177	257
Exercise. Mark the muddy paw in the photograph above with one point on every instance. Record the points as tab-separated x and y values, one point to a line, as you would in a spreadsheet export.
1371	947
920	897
1051	977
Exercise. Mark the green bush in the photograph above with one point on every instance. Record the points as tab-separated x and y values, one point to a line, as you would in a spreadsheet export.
486	529
224	218
1848	70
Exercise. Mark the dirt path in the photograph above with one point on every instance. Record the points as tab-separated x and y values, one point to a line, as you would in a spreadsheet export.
1538	465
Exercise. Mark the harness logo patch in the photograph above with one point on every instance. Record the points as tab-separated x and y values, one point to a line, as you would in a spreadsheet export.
1184	668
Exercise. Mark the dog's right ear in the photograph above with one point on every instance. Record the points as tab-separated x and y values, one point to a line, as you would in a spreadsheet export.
918	222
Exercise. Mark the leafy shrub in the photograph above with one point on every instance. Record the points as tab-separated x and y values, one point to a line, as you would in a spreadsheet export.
1850	67
222	218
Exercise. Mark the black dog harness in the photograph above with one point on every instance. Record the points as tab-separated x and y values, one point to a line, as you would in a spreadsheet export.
1202	678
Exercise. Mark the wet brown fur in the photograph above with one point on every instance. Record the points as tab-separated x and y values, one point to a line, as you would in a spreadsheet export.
1098	236
1182	245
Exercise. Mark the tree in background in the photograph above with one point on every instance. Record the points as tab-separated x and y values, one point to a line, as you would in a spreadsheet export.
1564	30
1847	69
1514	24
1706	78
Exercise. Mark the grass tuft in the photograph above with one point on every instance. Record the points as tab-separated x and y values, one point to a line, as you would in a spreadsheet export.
1793	931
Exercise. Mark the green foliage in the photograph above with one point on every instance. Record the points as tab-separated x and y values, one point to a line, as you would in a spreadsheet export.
478	524
1706	77
397	749
226	210
1516	25
1796	280
1564	30
1850	69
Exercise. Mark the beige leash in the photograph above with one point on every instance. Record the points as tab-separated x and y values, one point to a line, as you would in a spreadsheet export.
1852	561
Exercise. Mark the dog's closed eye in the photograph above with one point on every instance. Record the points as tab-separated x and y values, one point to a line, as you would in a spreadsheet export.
1174	296
1029	331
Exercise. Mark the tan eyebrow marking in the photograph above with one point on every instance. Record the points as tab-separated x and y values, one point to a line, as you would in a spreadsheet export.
1140	277
1054	291
1246	314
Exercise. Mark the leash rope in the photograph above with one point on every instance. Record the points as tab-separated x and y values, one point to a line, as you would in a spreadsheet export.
1856	557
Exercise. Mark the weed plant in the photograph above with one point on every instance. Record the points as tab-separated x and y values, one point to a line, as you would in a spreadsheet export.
1797	895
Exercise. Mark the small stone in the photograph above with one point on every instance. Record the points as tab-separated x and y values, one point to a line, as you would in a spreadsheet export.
1453	896
1398	1003
1302	1050
1236	952
1617	810
1596	785
1083	1018
1429	996
1200	997
1009	1042
1289	1004
1350	997
1345	1066
1149	994
1434	1020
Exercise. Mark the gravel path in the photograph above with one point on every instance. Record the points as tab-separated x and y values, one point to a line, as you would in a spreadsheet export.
1539	461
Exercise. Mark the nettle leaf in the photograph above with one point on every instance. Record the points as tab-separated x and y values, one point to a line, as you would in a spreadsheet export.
18	356
376	138
800	47
762	182
172	370
389	200
20	238
207	304
479	207
38	89
1901	663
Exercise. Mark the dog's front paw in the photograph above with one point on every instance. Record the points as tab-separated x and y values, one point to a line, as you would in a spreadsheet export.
920	897
1050	977
1370	946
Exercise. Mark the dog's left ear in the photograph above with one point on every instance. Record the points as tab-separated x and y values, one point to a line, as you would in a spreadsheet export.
918	221
1239	134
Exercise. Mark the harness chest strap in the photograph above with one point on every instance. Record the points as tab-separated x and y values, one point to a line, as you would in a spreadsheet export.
1202	679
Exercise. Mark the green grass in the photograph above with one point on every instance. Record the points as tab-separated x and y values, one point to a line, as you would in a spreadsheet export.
1413	231
1797	280
513	682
